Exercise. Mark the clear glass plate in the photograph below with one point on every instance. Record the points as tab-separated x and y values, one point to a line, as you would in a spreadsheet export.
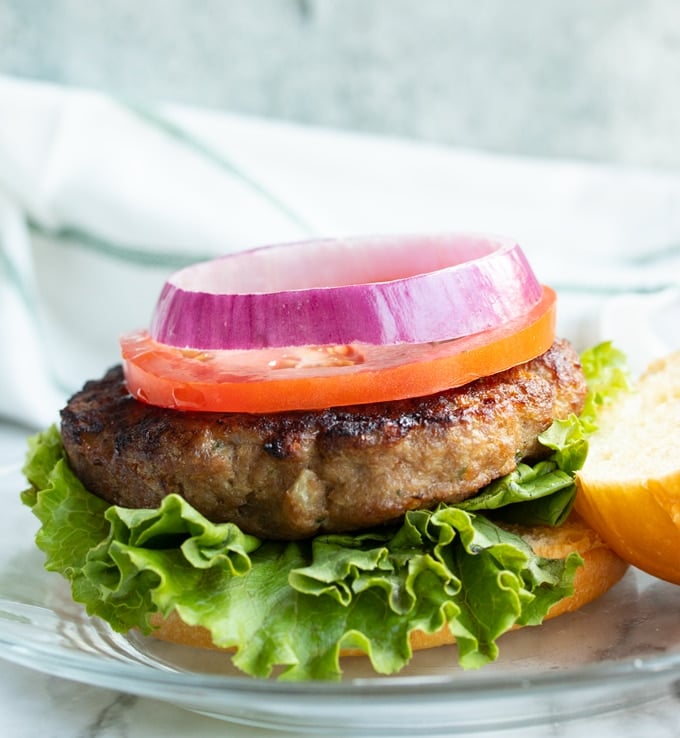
620	651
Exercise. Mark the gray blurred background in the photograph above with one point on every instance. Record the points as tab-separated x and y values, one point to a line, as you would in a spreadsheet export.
583	79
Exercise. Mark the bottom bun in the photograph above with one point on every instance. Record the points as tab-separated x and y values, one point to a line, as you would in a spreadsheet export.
601	570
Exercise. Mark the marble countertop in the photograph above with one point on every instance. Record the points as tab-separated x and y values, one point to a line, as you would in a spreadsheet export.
37	704
467	67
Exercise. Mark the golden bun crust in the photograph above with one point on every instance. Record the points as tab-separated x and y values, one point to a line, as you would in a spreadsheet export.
629	486
601	569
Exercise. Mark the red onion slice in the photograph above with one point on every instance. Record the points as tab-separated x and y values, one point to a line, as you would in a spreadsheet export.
376	290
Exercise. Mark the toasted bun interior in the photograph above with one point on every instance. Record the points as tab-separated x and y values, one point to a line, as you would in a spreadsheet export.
602	568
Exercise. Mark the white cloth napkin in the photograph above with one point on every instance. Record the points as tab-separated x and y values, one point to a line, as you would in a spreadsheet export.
100	201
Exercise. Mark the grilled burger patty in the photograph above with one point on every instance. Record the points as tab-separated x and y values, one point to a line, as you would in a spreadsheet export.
292	475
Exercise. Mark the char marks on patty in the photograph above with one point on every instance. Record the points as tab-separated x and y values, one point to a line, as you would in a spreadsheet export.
292	475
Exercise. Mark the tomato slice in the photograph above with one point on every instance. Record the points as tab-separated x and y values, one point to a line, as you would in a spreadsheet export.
312	378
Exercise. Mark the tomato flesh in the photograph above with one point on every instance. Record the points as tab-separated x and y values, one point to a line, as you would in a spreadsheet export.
312	378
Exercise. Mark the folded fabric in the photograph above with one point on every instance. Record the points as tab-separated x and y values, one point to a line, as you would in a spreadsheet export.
100	200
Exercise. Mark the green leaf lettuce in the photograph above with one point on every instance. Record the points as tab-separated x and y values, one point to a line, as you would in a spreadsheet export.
288	608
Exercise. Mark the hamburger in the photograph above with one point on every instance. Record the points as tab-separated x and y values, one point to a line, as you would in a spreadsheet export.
373	455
